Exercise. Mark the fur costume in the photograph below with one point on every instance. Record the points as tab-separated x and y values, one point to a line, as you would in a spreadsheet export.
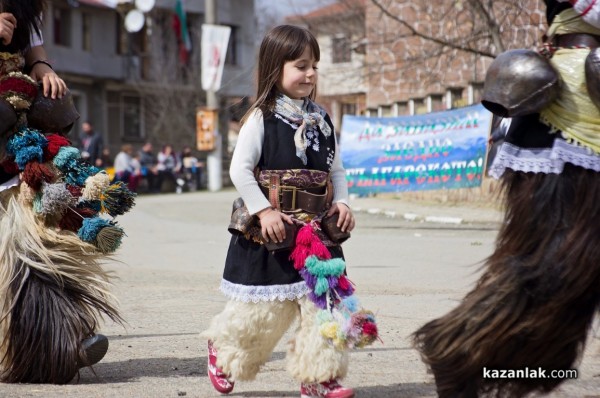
246	334
53	289
540	289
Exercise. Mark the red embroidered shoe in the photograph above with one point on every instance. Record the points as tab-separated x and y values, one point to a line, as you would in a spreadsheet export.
328	389
215	374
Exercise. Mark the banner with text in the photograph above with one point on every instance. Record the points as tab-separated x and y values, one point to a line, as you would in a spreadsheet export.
442	150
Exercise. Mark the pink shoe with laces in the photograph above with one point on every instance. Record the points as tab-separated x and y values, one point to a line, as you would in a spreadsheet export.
328	389
215	374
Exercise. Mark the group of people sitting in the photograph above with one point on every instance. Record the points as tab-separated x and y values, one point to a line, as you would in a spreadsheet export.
166	171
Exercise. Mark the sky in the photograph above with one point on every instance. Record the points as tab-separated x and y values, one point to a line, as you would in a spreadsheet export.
283	8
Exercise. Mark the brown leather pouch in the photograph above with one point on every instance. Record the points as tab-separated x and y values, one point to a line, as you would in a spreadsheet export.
329	226
287	244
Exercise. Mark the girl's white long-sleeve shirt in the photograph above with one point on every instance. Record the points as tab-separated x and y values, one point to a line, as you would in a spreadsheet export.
247	155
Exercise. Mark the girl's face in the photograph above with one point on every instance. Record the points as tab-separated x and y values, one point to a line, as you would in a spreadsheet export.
299	77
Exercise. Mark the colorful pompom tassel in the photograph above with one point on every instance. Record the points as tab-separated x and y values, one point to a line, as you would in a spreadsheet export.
308	244
72	220
75	190
95	185
94	205
55	200
66	157
55	142
36	173
26	145
117	199
103	234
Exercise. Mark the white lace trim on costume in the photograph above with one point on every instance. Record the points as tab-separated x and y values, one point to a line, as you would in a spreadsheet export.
256	294
576	154
546	160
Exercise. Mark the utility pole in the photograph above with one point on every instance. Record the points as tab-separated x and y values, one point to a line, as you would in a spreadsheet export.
215	157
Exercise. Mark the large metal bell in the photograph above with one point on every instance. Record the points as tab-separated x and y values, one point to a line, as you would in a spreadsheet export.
52	115
8	117
519	82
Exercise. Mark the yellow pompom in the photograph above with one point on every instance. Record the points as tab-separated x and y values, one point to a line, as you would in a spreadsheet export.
329	330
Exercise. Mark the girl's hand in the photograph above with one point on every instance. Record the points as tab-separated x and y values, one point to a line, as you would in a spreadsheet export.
271	222
346	219
8	23
53	85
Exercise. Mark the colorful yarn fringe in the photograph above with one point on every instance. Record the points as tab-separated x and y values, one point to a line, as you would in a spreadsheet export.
340	319
65	191
26	145
104	234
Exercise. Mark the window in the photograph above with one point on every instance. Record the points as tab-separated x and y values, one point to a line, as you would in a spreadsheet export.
348	109
436	102
62	26
86	32
132	117
475	92
454	98
232	47
340	49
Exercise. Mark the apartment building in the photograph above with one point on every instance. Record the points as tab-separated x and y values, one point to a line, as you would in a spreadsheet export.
386	58
137	87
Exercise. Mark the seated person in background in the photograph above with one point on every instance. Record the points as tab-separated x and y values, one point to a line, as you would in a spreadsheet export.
168	166
127	169
192	169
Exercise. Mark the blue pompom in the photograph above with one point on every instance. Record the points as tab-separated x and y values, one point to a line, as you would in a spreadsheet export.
90	228
66	158
26	145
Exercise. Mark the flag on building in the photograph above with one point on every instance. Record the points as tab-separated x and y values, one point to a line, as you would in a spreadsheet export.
181	31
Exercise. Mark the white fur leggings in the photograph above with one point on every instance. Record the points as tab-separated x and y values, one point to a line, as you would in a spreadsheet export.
245	335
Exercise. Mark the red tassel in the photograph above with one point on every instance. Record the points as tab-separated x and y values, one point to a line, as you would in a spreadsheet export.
72	220
308	244
75	191
55	142
343	283
35	173
9	166
369	328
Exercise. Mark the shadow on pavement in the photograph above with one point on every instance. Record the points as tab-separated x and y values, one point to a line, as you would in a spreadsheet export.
407	390
120	372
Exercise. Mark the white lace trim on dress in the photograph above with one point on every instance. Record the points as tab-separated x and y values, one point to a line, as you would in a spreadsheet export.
545	160
255	294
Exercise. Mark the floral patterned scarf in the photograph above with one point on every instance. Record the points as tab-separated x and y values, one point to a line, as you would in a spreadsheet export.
310	115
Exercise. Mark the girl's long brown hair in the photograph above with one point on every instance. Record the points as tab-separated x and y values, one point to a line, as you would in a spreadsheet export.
29	19
281	44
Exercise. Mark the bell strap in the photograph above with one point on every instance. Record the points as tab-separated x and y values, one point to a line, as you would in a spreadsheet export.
274	184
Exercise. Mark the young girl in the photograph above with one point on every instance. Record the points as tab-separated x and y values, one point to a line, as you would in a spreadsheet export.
287	142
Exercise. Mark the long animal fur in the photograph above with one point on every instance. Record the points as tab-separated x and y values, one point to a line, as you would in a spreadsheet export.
535	302
53	292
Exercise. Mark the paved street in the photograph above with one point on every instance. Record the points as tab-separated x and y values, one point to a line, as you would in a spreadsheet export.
169	270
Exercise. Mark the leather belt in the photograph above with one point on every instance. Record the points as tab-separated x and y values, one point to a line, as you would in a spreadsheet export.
576	40
312	200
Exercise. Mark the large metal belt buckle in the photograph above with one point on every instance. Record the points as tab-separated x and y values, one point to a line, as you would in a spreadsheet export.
294	190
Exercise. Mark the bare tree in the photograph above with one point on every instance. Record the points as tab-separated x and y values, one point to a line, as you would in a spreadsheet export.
170	86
